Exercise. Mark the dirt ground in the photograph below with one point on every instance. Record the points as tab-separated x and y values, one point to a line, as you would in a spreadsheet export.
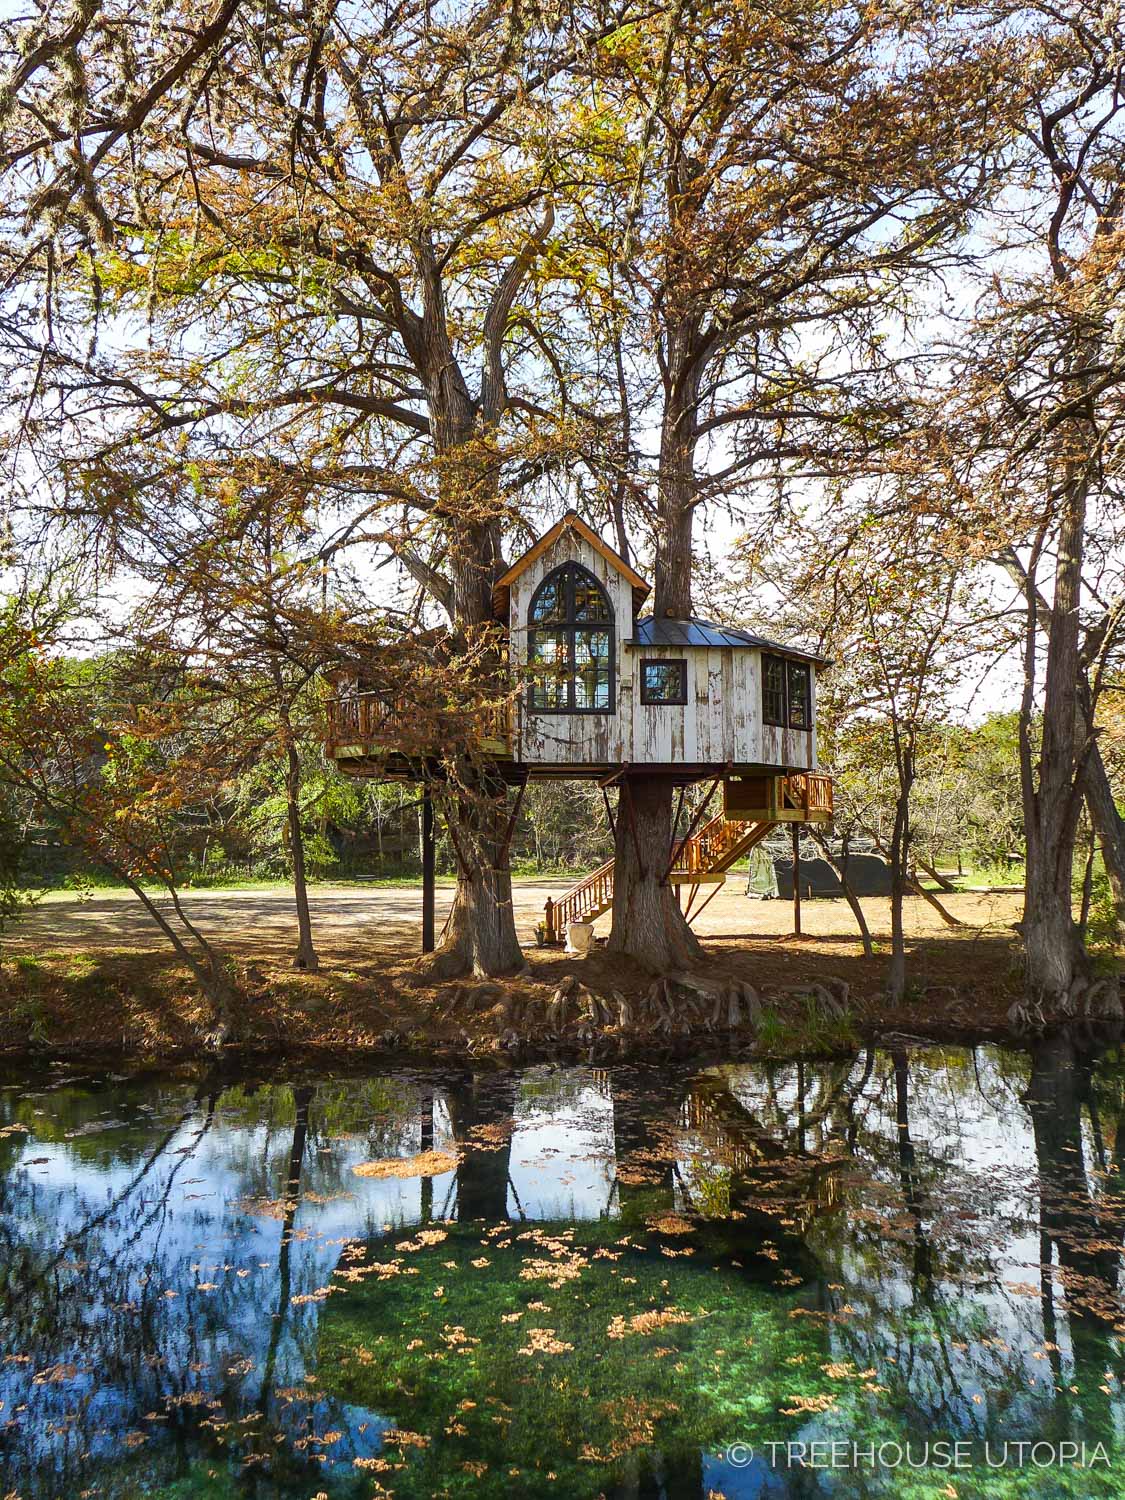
353	924
85	978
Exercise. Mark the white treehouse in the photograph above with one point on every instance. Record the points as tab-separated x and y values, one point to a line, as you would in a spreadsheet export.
602	690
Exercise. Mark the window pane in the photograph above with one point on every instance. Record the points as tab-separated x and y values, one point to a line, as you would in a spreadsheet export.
591	648
799	715
664	681
773	690
590	602
547	646
549	602
548	690
591	689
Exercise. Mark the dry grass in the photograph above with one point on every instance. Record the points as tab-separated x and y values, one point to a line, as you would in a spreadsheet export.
123	993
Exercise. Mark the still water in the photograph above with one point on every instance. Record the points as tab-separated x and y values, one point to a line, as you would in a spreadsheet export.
879	1276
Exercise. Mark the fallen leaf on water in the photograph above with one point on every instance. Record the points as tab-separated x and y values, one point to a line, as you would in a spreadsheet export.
425	1164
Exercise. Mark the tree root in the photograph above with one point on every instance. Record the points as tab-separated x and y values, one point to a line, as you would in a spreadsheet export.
674	1005
1092	1000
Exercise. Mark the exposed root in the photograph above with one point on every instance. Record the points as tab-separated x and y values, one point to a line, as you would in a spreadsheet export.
679	1004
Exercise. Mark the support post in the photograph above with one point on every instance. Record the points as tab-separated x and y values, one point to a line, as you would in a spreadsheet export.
427	871
796	879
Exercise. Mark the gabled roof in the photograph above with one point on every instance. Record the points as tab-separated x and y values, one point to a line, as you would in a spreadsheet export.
572	521
692	632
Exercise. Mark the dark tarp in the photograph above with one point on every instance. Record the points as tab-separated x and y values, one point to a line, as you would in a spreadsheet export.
868	875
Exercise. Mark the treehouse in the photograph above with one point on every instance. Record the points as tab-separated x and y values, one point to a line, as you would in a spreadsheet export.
601	691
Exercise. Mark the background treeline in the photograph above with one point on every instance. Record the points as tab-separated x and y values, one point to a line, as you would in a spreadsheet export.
966	803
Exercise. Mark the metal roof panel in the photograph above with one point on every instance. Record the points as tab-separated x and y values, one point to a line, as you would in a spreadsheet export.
705	633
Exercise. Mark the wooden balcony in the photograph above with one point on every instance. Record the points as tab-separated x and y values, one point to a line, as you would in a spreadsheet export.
364	725
793	797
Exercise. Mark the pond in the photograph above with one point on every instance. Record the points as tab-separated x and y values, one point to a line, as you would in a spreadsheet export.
893	1274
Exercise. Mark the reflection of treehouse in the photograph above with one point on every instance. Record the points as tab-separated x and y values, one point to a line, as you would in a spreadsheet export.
597	690
786	1186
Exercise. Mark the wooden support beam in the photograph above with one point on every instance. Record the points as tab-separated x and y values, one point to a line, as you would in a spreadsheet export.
678	849
796	880
506	846
693	917
609	813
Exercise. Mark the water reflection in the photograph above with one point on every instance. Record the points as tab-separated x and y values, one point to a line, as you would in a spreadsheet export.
626	1272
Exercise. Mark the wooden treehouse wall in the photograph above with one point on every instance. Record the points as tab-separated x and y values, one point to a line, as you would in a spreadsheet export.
721	721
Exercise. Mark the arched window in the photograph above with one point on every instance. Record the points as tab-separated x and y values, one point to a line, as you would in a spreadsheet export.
570	644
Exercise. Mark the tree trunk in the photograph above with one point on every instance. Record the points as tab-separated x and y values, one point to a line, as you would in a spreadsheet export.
900	853
647	922
841	868
672	593
306	952
1054	954
480	932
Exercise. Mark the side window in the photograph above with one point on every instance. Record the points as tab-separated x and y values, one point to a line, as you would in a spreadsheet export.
786	693
773	690
800	696
664	681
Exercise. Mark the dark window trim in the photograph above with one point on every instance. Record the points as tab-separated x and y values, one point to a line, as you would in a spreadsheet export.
568	625
665	661
806	672
787	664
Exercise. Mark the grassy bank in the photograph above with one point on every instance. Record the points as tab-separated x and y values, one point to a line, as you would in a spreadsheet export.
145	1005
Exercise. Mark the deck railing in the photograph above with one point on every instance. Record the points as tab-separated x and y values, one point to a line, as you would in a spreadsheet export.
808	791
381	721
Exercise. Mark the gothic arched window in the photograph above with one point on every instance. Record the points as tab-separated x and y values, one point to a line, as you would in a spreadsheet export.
570	644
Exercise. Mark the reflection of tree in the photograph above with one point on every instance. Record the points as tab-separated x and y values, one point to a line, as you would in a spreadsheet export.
777	1185
482	1108
1079	1233
922	1276
291	1193
644	1123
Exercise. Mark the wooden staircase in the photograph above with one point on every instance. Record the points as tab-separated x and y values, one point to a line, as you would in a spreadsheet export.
703	859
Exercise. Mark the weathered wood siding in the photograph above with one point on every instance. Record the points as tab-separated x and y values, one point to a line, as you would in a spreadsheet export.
721	721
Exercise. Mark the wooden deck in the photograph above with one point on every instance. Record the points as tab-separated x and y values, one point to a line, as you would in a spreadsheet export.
366	731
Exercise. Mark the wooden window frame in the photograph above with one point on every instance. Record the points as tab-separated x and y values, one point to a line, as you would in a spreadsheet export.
568	626
806	672
788	665
680	701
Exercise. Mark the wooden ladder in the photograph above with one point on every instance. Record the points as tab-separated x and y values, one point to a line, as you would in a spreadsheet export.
707	854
